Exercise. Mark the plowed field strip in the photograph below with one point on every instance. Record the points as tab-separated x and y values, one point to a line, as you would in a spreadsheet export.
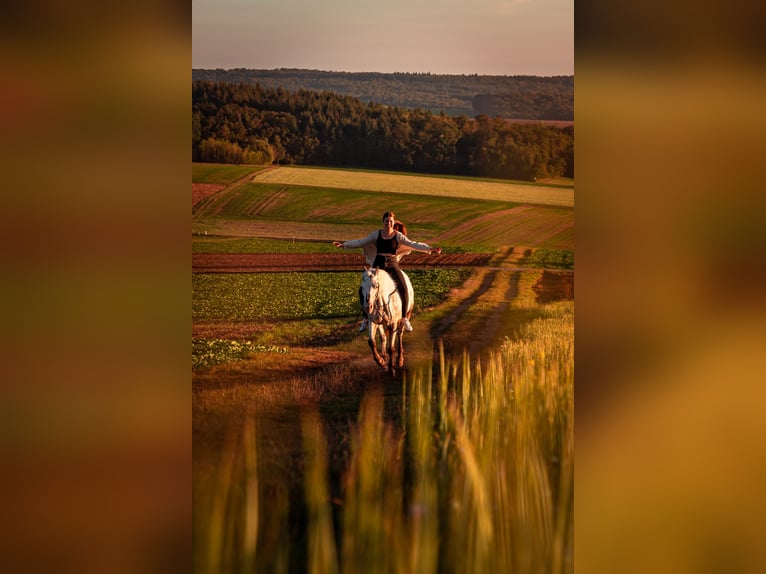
271	262
201	191
199	205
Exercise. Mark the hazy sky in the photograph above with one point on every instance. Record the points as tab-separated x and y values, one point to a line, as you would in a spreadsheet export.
497	37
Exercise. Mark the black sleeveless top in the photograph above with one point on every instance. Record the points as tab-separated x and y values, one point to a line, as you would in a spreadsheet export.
386	246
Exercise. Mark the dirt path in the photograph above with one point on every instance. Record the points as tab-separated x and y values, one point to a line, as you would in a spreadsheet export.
481	312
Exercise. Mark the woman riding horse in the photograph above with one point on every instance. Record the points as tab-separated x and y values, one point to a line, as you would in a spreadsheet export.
383	249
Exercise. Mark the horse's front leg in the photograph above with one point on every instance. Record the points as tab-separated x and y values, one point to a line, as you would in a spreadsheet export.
400	350
390	350
372	329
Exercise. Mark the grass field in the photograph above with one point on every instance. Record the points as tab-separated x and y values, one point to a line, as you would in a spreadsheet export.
221	173
210	244
333	206
443	187
305	206
297	296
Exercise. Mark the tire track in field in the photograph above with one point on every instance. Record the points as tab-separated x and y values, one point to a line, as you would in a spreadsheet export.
201	207
445	324
492	321
520	224
268	202
488	276
479	317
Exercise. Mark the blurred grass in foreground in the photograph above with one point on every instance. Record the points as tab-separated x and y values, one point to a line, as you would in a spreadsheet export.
478	475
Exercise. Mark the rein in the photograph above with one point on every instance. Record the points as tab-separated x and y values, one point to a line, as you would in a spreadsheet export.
382	304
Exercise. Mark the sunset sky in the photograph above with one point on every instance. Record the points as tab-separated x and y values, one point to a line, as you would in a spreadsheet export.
494	37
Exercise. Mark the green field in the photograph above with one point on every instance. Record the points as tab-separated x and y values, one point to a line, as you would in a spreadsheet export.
211	244
300	296
343	206
439	186
221	173
301	205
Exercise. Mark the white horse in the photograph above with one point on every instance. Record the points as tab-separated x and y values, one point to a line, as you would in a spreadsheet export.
383	305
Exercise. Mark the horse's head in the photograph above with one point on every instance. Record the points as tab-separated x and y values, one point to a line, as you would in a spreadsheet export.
370	289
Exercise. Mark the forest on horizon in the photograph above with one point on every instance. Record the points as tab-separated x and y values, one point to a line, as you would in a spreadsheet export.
546	98
250	124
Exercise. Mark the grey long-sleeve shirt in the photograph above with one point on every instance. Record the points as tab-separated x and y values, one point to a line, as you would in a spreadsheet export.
370	251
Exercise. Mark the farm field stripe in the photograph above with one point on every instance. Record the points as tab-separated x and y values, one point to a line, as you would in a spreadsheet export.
419	185
307	262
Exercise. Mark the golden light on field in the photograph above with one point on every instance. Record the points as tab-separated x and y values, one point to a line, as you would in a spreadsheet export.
420	185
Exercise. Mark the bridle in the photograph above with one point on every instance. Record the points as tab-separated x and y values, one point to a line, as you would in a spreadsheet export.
381	308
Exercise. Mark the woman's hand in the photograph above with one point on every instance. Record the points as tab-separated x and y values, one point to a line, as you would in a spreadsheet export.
436	250
337	244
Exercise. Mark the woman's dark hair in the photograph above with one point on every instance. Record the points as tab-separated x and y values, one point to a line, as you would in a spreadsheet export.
389	214
399	226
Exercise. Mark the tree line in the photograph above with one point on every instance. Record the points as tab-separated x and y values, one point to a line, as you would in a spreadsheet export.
530	97
538	106
244	123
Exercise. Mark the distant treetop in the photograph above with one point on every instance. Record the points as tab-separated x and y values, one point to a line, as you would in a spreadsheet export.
517	97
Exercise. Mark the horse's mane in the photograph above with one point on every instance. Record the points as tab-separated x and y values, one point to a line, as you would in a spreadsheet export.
389	288
384	279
